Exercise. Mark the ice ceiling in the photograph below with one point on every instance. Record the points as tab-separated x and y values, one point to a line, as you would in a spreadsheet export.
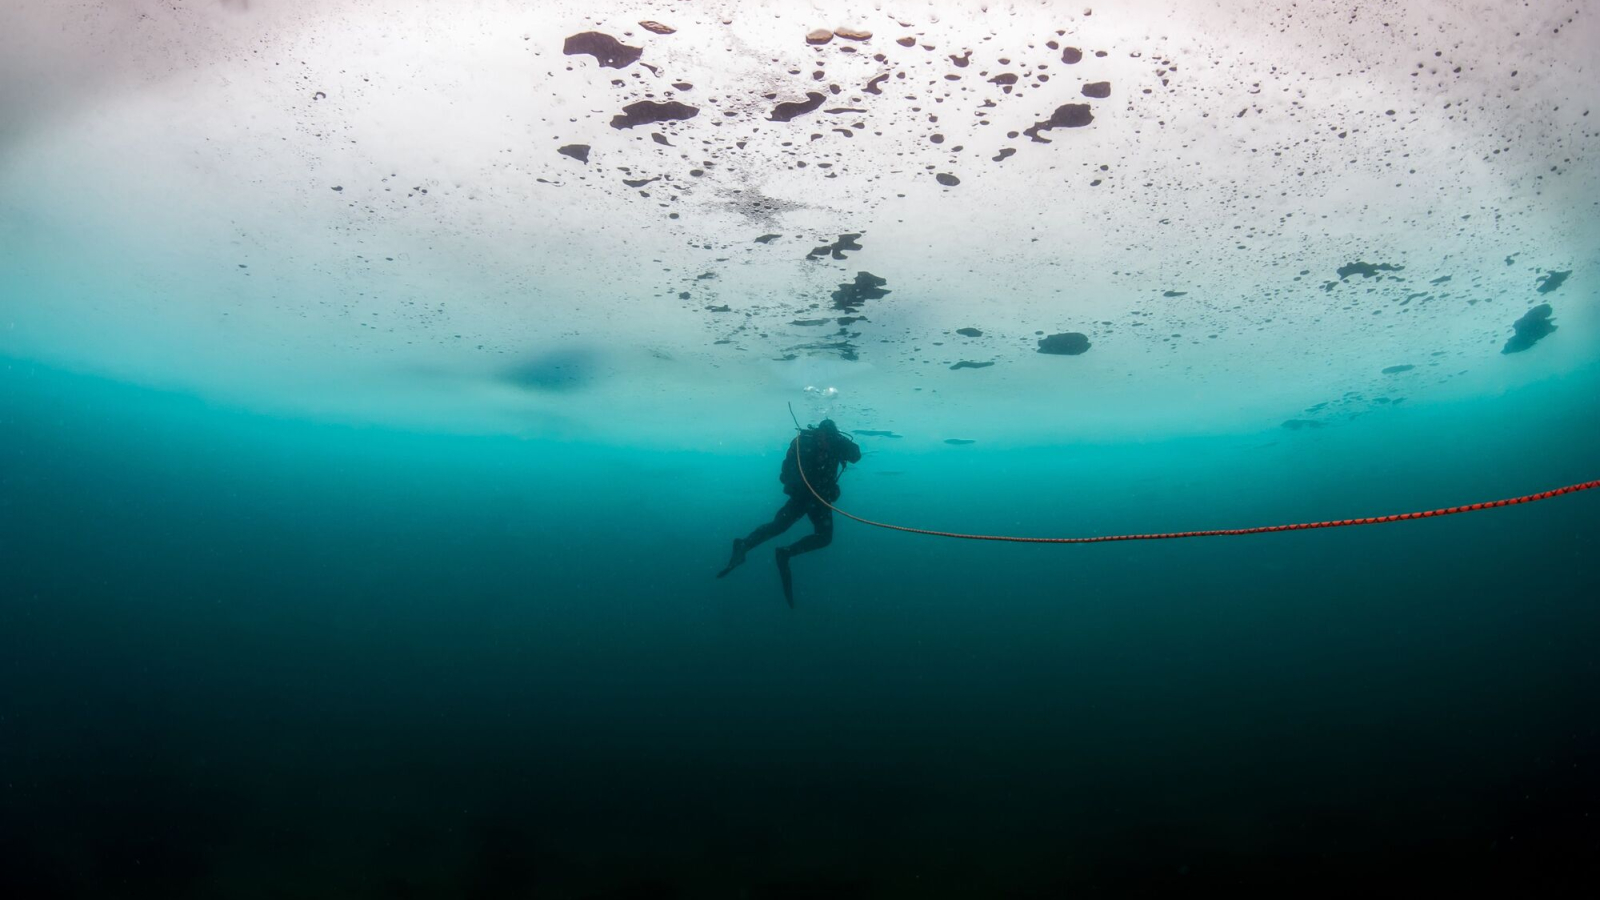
1002	221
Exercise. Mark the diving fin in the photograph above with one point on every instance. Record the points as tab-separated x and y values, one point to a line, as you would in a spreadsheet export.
736	559
783	575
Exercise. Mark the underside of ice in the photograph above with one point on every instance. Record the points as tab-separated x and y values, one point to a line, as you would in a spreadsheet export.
495	217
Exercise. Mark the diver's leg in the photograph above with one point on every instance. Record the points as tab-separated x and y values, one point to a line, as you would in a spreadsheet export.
786	516
822	531
789	514
821	536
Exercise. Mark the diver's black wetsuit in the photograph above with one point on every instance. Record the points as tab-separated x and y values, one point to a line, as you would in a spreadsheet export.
823	451
823	454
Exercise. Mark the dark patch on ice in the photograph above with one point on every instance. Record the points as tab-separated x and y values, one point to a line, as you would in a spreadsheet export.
1549	281
560	370
659	138
1299	424
1004	152
1174	293
964	364
639	182
768	238
872	86
1396	370
647	112
845	349
962	61
1097	89
784	112
1070	55
1067	115
946	179
837	248
959	441
1533	325
1070	343
867	286
607	50
683	85
579	152
1366	269
969	332
1440	280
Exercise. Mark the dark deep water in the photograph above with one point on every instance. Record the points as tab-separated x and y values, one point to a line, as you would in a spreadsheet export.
248	657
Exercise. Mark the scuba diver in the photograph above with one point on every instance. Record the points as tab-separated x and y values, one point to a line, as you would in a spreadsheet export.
823	452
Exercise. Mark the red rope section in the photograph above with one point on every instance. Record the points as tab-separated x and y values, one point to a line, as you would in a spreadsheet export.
1215	532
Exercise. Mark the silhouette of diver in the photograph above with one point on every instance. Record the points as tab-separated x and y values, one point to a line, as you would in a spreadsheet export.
824	452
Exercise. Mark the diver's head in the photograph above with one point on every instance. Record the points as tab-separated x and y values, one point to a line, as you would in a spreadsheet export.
828	426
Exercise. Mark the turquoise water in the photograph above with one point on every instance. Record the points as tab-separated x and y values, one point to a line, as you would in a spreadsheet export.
252	656
382	383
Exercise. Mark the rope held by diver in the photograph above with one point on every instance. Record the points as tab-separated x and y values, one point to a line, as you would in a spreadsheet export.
1214	532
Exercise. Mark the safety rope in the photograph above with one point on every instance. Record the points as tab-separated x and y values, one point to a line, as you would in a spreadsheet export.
1214	532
